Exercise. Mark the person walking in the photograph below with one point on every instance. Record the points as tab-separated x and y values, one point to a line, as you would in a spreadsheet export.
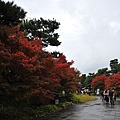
106	96
111	95
114	94
102	96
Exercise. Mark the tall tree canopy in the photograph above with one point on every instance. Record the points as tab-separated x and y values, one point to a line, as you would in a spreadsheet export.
102	71
44	29
115	66
10	14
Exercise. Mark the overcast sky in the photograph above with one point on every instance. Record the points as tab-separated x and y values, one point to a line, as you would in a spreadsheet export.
89	30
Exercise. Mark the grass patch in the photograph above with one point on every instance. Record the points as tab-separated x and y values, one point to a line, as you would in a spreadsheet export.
84	98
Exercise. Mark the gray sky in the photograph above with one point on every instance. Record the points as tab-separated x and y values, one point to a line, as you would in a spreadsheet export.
89	30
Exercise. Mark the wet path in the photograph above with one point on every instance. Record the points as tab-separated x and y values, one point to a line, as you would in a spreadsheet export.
95	110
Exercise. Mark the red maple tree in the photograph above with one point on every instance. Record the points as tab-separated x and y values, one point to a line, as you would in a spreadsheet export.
22	66
113	81
29	73
98	82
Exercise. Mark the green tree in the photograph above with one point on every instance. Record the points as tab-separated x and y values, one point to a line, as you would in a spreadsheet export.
83	78
10	13
44	29
55	54
88	80
102	71
115	66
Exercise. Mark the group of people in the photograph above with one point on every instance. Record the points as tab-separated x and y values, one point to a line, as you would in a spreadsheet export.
109	96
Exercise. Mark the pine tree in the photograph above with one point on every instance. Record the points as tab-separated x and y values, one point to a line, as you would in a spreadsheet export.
10	13
44	29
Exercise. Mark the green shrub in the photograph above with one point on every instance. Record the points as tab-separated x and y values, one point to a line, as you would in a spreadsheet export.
74	99
13	112
43	110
